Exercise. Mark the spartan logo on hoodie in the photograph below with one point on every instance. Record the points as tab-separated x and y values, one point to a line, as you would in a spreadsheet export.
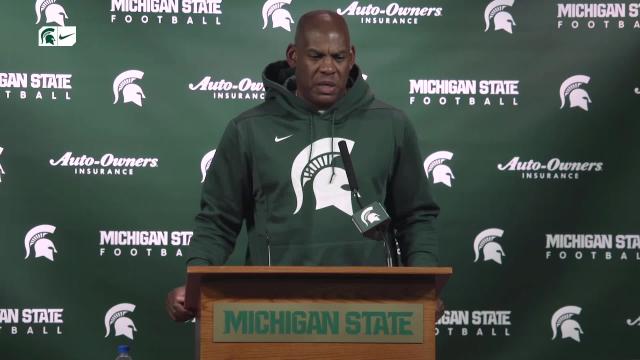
116	318
36	239
280	17
562	319
496	12
124	84
485	242
317	168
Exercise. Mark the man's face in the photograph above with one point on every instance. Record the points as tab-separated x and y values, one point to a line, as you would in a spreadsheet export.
322	59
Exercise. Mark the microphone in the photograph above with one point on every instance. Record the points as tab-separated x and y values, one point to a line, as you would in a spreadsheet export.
372	220
348	166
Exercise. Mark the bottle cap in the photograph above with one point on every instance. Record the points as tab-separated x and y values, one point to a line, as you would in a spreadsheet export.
123	349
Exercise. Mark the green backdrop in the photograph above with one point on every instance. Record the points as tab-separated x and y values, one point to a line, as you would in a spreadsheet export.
549	166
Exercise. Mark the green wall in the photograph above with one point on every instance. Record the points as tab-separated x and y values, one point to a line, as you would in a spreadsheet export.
500	306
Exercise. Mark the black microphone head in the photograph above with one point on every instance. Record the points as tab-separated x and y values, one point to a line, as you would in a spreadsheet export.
348	166
342	145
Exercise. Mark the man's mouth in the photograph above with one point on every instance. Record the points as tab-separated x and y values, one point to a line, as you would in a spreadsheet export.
326	87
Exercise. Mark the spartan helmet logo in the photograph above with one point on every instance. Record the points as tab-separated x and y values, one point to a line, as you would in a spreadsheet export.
577	96
562	319
53	12
1	169
434	165
122	324
502	20
368	216
130	92
317	167
205	163
47	36
280	17
36	238
491	250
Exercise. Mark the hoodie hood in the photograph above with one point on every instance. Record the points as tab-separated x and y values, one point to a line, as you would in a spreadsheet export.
280	85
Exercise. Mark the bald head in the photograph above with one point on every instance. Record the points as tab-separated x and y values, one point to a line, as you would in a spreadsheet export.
322	56
324	21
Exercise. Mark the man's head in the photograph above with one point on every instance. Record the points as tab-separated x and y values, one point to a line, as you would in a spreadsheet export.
322	56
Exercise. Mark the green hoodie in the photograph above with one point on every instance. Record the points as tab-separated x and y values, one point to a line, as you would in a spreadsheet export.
278	168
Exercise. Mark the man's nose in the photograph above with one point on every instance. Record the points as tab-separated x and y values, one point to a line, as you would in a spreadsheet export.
327	65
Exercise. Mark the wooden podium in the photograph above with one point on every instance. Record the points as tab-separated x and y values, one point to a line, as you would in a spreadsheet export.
292	312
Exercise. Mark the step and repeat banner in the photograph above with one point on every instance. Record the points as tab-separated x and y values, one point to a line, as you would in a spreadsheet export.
527	114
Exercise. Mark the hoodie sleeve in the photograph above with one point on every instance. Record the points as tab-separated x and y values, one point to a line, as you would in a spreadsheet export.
224	204
411	207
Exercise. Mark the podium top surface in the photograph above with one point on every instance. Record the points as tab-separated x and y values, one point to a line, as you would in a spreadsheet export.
213	271
229	274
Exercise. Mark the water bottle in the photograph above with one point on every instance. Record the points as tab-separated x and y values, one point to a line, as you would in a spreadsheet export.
123	352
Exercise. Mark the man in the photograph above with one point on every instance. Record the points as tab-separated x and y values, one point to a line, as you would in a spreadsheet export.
278	167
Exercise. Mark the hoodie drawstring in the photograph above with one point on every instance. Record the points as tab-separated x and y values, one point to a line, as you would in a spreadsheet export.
333	168
311	135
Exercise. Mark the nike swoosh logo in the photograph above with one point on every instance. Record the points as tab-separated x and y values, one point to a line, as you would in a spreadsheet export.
278	139
64	37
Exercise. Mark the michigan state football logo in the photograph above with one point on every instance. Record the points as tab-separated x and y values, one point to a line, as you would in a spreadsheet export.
37	242
496	13
563	320
578	97
116	318
280	17
124	84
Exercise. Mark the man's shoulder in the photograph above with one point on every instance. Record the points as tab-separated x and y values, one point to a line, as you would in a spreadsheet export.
265	109
393	112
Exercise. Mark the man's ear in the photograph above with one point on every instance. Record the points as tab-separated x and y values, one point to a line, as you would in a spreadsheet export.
353	57
292	55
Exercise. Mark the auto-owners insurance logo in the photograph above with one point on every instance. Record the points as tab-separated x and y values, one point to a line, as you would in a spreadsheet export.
107	164
49	12
552	169
222	89
389	13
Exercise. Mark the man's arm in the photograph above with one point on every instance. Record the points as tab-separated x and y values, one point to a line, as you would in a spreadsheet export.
226	200
409	201
225	203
